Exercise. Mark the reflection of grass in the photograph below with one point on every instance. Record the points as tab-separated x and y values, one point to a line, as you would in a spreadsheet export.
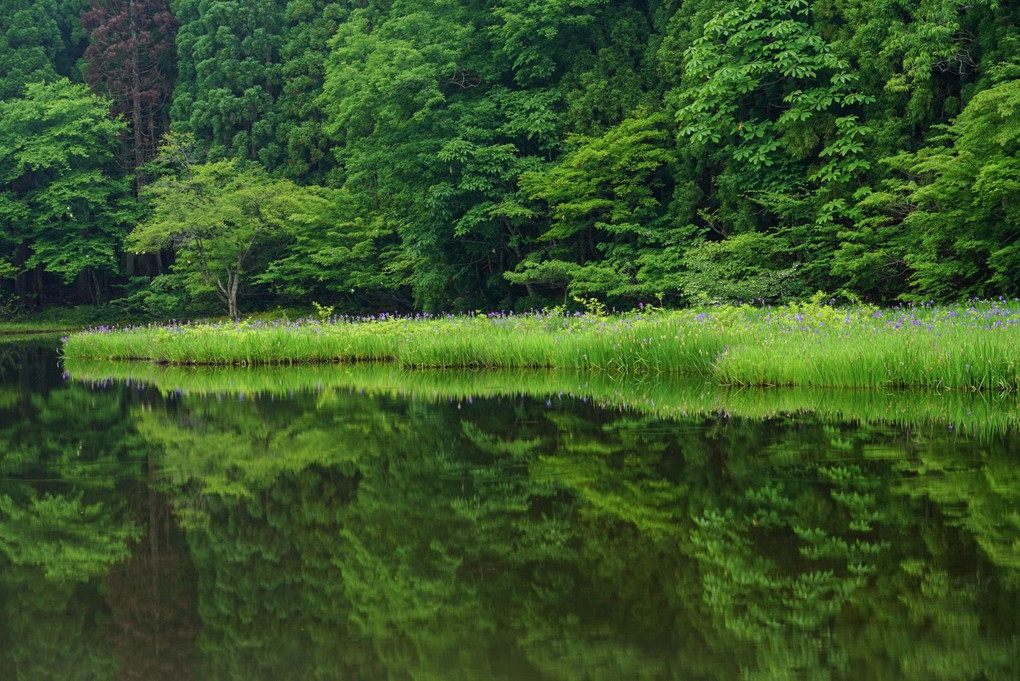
966	347
664	396
14	349
11	335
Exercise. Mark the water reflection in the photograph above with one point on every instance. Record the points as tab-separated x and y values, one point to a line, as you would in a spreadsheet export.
492	528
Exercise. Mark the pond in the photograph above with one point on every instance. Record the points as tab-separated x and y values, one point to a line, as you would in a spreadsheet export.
367	523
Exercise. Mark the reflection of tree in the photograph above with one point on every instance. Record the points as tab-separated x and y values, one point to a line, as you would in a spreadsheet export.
26	367
63	523
436	544
976	495
983	499
73	525
64	536
371	537
457	550
262	486
236	446
800	546
152	595
270	595
52	629
630	488
342	535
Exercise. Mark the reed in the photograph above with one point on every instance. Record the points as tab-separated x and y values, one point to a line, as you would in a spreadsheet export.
969	347
658	342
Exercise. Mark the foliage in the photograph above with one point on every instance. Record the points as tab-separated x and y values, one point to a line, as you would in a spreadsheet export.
63	207
513	154
747	267
298	116
228	75
39	42
605	202
767	48
341	250
219	217
967	198
431	143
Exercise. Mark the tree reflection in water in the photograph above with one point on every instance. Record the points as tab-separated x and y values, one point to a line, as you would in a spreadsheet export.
343	533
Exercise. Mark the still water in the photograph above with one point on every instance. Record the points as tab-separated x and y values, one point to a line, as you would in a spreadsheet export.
362	523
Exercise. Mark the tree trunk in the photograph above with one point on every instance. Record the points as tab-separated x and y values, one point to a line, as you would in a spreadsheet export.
136	98
228	293
37	276
232	297
98	285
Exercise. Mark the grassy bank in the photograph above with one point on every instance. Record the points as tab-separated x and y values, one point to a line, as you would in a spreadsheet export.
13	333
24	329
972	347
55	321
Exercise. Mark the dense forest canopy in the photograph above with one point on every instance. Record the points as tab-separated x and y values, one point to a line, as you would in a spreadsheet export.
460	154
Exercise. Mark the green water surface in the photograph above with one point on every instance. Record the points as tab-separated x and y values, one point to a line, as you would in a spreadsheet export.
362	523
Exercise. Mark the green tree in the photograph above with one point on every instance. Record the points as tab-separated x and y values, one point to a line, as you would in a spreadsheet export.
64	206
920	62
965	221
613	75
40	41
389	79
304	147
944	223
343	250
229	75
769	115
610	233
222	219
536	38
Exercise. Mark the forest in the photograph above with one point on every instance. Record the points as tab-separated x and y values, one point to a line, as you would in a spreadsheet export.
193	157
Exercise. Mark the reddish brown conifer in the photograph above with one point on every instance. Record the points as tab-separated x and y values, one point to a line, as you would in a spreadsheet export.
131	60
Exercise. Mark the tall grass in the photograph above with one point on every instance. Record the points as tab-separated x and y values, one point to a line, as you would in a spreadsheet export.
969	347
660	342
975	347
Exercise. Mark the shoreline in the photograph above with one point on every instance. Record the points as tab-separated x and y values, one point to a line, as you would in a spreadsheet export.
964	347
